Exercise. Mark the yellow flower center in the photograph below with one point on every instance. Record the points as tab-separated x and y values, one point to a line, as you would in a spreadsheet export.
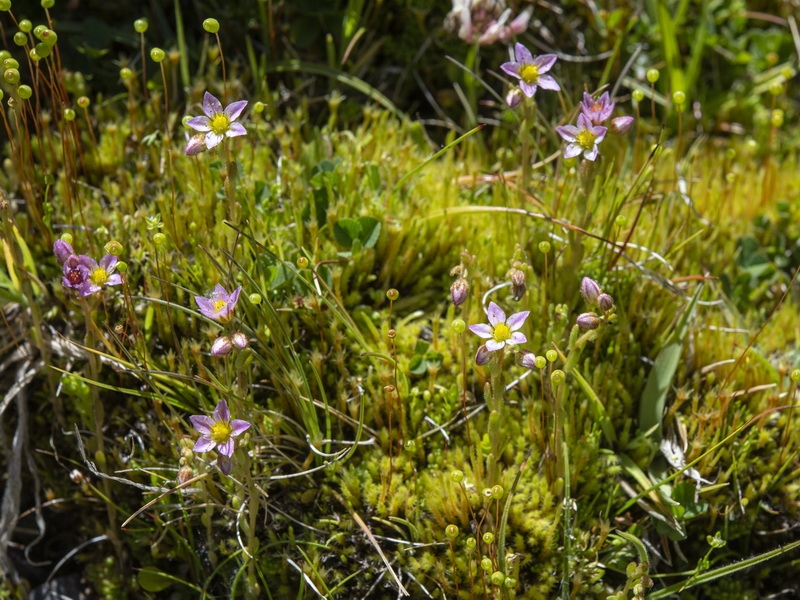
597	107
220	123
219	305
502	332
529	74
221	432
99	276
585	139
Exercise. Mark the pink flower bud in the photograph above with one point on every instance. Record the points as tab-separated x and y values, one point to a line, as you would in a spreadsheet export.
196	144
590	290
63	251
221	346
518	286
482	356
588	321
621	125
527	359
514	97
239	340
459	291
605	302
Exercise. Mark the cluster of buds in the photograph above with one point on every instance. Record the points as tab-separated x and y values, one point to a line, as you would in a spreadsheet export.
598	299
224	344
486	21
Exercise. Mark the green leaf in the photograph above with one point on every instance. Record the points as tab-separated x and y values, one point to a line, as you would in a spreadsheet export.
153	580
417	365
651	407
346	231
370	231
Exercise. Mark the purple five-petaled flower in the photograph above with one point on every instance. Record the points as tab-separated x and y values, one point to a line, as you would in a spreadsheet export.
531	71
219	307
217	124
501	332
218	433
583	138
98	275
599	110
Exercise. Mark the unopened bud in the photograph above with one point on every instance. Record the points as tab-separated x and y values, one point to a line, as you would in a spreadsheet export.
527	359
239	340
62	250
590	290
482	356
517	283
620	125
221	346
605	302
459	291
184	474
588	321
514	97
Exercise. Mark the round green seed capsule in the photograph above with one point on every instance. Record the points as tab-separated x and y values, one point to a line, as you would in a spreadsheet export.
25	91
775	88
12	103
125	73
66	237
1	94
4	55
259	107
113	247
557	377
457	476
10	63
471	543
254	299
48	3
83	101
509	582
451	531
122	266
42	50
488	537
679	98
5	5
141	25
795	375
11	76
486	563
211	25
69	114
302	262
411	446
38	31
20	39
157	55
185	121
638	95
776	119
544	247
498	577
392	294
497	492
25	25
159	239
551	355
49	37
652	75
458	325
621	220
540	362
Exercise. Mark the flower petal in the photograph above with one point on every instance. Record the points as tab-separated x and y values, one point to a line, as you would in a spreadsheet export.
238	427
204	444
213	139
545	62
199	123
600	132
584	122
516	320
492	346
546	82
211	106
511	68
234	297
115	279
204	304
496	314
221	292
221	412
517	338
109	262
591	154
482	330
202	423
234	109
568	132
235	129
226	447
529	89
572	150
522	54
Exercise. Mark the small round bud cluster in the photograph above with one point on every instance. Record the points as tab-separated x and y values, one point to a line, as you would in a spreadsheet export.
302	262
157	55
488	537
637	95
140	25
652	75
458	326
595	296
544	247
